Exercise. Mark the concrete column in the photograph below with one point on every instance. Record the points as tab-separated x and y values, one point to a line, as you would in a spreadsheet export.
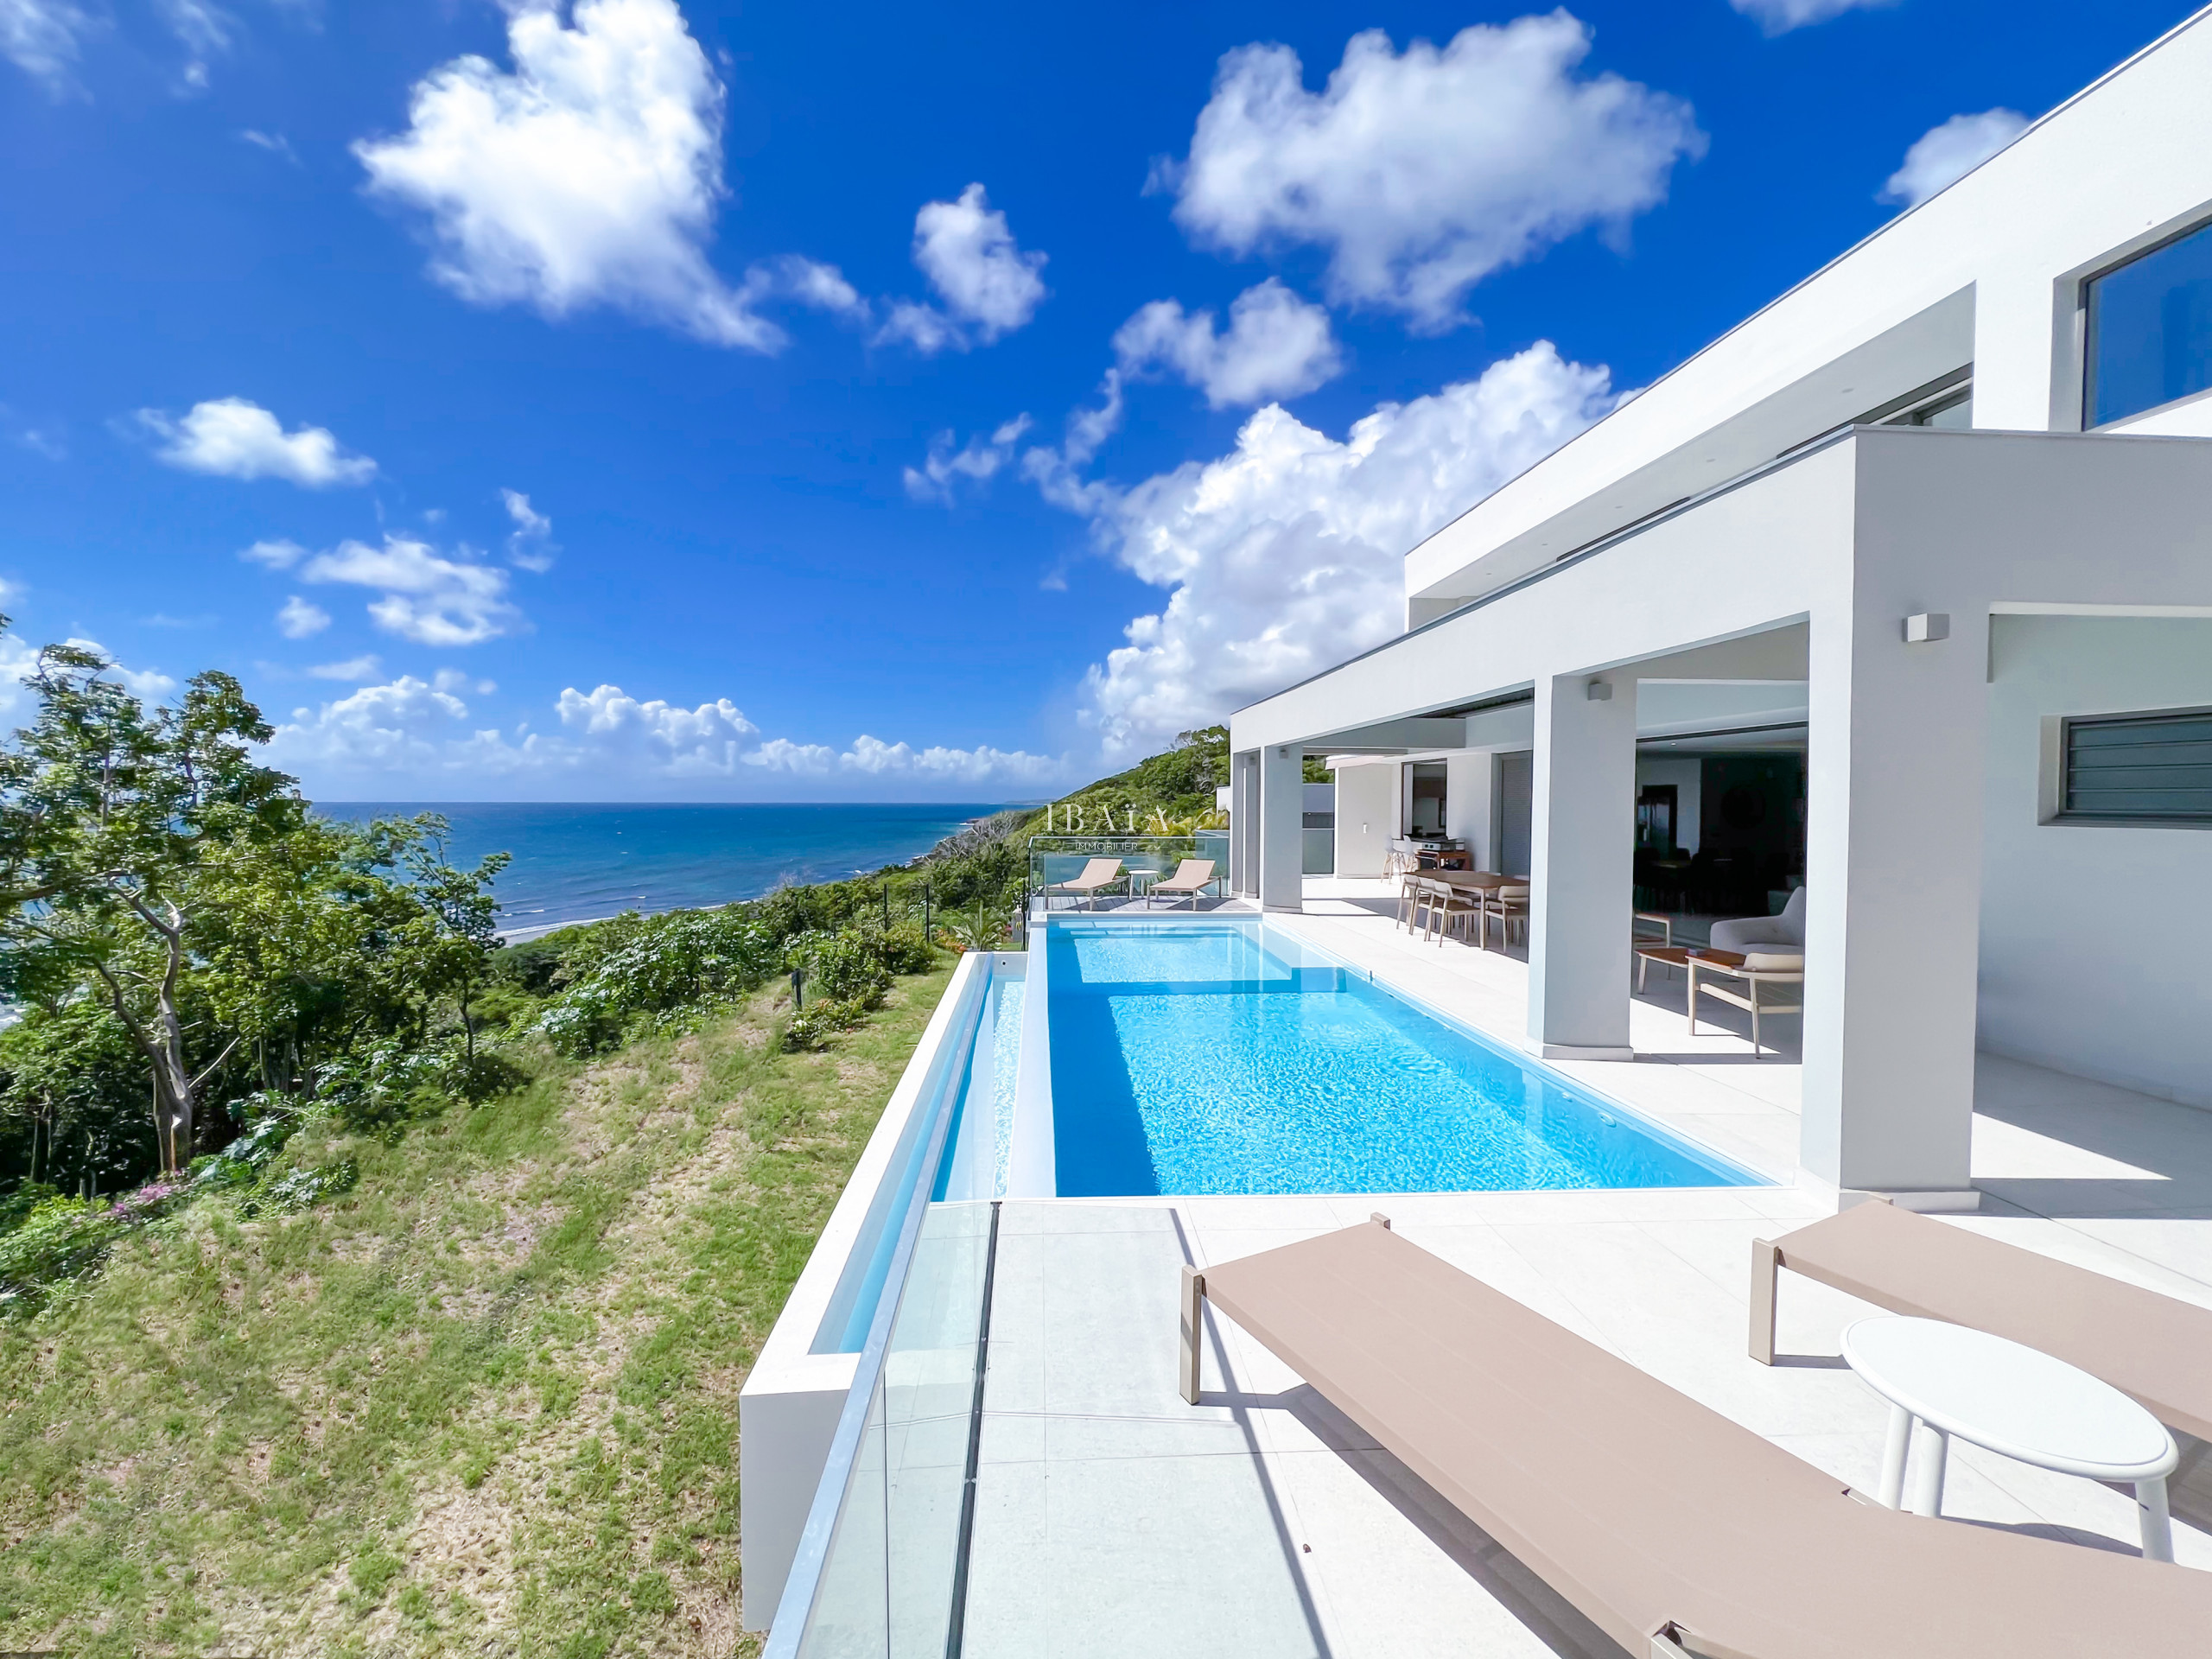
1893	891
1583	848
1283	829
1244	824
1367	817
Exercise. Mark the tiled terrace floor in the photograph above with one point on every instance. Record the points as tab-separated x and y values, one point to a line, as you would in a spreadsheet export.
1113	1519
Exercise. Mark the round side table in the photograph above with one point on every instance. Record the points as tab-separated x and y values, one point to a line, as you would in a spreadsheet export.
1949	1380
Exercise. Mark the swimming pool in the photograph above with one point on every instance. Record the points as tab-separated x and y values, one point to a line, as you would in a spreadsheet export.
1227	1057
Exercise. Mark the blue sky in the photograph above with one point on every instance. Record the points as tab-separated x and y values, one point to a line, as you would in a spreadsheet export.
633	401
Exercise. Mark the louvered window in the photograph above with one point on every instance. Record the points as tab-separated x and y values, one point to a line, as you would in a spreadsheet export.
2140	768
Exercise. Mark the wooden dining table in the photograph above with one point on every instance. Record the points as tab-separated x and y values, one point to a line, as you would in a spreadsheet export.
1474	881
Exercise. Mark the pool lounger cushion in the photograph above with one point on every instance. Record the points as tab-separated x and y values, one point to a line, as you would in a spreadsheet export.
2152	1348
1671	1528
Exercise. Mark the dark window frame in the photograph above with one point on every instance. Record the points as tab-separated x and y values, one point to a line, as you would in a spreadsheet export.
2066	813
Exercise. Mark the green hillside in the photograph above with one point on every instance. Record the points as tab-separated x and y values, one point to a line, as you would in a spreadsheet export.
483	1402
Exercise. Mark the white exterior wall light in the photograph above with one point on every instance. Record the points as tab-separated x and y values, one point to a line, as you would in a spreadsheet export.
1925	627
1598	690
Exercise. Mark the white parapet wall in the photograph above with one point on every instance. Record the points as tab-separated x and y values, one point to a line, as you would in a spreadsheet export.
788	1410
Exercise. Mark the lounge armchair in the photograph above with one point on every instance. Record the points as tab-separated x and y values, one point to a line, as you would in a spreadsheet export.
1749	933
1193	876
1098	875
2152	1347
1674	1529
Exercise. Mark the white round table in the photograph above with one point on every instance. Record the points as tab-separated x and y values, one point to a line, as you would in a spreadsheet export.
1945	1380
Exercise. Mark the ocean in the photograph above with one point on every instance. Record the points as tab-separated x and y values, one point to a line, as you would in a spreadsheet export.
577	861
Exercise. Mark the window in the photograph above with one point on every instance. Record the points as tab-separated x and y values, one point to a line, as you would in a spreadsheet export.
2150	330
2153	769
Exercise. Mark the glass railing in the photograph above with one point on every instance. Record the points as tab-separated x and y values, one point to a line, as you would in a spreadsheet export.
1056	861
890	1582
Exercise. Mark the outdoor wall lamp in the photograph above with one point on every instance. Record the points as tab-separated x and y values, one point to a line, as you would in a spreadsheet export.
1923	627
1598	690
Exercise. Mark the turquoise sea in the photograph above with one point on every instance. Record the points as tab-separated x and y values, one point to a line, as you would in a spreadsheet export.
574	862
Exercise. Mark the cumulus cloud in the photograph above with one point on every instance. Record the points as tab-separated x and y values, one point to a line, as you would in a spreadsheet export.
231	438
986	282
1423	172
1277	345
588	174
673	740
357	668
1944	154
405	726
1780	17
278	554
44	38
423	596
978	459
530	546
1284	556
298	620
422	727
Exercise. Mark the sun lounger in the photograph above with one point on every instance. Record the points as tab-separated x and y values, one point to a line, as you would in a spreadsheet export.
1193	876
1674	1529
2152	1348
1098	874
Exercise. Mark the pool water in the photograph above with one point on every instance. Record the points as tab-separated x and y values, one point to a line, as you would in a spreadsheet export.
1225	1057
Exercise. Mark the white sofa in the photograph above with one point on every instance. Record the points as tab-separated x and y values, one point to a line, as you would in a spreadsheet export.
1748	933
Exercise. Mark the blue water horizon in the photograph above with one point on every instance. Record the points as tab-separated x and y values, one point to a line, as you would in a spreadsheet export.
579	861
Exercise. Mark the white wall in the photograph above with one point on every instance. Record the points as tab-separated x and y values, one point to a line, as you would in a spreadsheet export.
1367	817
1687	777
1467	807
2094	940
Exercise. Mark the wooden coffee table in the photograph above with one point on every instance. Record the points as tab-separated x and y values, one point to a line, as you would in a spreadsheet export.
1704	959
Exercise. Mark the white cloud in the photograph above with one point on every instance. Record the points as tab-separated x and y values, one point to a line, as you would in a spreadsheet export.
275	143
425	596
531	545
402	726
231	438
1284	556
203	30
1780	17
674	741
968	254
1422	172
1057	474
1277	345
976	460
420	727
589	175
876	759
356	669
299	620
802	760
44	37
276	554
1944	154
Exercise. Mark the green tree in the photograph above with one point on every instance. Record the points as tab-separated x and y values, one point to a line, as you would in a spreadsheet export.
112	811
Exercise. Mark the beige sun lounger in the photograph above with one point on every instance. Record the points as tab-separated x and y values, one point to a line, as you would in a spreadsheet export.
2149	1347
1193	876
1098	874
1671	1528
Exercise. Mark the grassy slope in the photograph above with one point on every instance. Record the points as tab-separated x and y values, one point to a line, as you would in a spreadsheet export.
486	1403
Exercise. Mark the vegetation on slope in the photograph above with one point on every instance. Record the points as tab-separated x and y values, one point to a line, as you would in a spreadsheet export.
484	1402
366	1286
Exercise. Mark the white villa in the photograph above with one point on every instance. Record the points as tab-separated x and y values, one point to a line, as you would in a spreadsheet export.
1921	527
1883	622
